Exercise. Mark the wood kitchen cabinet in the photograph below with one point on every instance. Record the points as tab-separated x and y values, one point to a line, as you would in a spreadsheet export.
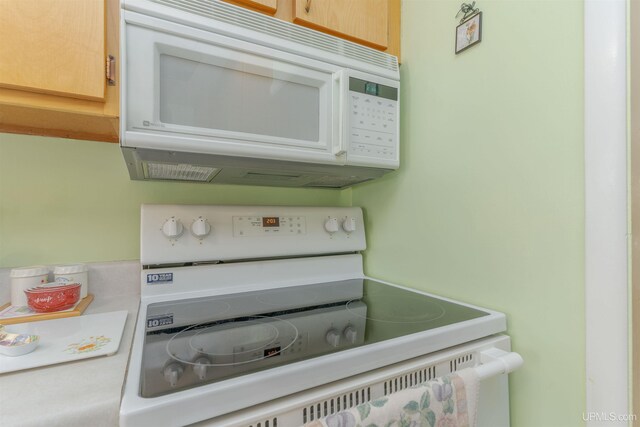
53	56
363	21
53	68
267	6
374	23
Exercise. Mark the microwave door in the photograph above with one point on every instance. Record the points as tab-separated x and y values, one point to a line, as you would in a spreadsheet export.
216	96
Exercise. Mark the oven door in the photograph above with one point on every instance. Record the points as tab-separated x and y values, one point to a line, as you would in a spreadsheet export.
196	91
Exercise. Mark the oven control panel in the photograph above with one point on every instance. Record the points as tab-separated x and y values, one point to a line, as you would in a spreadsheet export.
200	233
252	226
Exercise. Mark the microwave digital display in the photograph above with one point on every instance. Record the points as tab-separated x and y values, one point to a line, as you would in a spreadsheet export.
371	88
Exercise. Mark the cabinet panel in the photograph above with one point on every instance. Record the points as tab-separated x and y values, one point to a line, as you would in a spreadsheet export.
53	46
363	21
268	6
348	21
61	124
394	28
32	111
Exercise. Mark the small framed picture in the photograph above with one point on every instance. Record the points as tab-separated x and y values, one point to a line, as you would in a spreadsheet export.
469	33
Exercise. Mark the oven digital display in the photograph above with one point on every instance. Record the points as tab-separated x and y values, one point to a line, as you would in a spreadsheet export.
270	352
270	221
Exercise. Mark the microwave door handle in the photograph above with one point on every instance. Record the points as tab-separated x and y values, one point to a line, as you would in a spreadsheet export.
338	148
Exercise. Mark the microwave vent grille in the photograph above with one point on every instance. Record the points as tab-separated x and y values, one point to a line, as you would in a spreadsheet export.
254	21
179	172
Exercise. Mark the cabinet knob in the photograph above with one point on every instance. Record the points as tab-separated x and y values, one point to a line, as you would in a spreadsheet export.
307	7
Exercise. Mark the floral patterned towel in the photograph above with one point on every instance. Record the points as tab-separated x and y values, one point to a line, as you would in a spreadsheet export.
449	401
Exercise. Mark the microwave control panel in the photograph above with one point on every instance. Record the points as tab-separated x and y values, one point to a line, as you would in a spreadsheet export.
373	121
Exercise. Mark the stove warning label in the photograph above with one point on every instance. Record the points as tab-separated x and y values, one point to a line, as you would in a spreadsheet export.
163	320
159	278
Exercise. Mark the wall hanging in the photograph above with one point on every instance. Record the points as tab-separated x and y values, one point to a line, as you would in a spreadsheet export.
469	32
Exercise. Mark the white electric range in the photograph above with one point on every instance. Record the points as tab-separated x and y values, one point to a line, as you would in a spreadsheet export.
262	316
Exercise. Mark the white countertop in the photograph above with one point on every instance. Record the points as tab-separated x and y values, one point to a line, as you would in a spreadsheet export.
84	392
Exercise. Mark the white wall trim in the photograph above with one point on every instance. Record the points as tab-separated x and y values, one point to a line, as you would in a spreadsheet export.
606	283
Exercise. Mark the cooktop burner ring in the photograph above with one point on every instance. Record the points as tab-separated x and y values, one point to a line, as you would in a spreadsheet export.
413	311
260	345
266	348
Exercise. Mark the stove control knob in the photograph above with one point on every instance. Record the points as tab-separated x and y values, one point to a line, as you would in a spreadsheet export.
172	373
172	228
200	228
333	337
349	224
350	334
200	367
331	225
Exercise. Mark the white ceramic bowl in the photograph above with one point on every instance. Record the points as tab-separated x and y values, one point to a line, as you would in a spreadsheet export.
17	344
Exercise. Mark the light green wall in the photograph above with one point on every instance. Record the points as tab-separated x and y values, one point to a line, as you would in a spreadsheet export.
487	207
64	201
488	204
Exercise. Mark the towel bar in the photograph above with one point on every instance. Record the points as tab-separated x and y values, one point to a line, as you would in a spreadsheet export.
496	362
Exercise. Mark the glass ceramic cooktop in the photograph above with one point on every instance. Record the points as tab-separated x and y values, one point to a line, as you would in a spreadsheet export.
200	341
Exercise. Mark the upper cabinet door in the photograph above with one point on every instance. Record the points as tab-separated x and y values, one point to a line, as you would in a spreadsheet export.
55	47
363	21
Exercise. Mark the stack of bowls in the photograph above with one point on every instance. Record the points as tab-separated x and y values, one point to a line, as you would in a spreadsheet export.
53	297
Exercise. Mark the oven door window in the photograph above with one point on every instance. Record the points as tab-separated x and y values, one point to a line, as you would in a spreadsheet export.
229	97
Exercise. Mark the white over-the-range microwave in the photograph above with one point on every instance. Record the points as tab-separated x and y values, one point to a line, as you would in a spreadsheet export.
215	93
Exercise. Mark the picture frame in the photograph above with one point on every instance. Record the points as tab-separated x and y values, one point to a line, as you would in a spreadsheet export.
469	33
